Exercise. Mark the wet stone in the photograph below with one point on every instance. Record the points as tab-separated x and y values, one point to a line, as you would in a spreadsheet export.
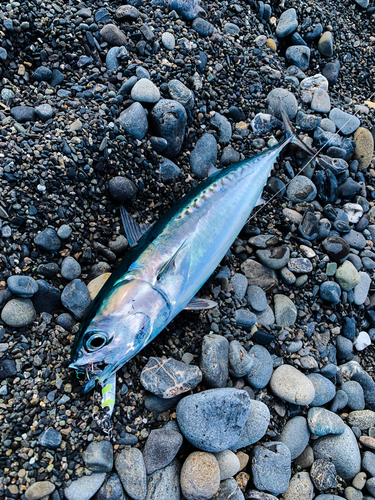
76	298
121	189
168	170
203	156
300	486
214	360
282	97
202	27
200	476
18	313
180	93
161	448
85	487
299	55
255	426
134	120
240	362
130	467
48	240
307	122
213	420
50	438
23	286
331	71
245	318
111	490
259	275
322	422
164	483
168	378
321	101
23	114
295	436
222	124
354	391
7	368
44	112
300	265
98	456
70	269
262	367
47	298
301	189
263	123
168	119
290	385
113	35
325	44
347	276
187	9
271	467
274	257
323	475
229	156
330	292
337	248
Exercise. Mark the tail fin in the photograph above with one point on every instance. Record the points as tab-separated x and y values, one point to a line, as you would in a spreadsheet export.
291	132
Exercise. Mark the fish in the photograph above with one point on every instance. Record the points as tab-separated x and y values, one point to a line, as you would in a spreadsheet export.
167	265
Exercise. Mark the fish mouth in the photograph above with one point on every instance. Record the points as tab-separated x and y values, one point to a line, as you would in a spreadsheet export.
98	371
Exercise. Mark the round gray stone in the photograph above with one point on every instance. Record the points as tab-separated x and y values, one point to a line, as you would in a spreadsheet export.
213	420
70	268
271	467
18	313
255	427
145	91
296	436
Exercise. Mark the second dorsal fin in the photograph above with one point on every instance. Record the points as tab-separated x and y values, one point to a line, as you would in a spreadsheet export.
133	230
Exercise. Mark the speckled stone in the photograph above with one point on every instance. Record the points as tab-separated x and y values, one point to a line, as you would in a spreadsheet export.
289	384
200	476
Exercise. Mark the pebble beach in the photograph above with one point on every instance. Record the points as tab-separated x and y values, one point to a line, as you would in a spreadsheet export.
271	394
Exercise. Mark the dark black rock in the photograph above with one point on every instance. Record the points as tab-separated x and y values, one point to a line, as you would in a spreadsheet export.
203	27
121	189
50	438
309	226
7	368
236	114
326	185
49	270
276	186
323	474
331	71
314	34
229	156
349	189
66	321
337	248
202	62
47	298
23	114
57	77
48	240
42	74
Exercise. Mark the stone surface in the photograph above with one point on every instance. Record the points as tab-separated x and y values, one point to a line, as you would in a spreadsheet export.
291	385
200	476
18	313
145	91
213	420
203	156
345	122
229	464
288	23
39	490
214	360
301	189
323	474
322	422
363	419
111	490
240	362
85	487
164	483
285	311
168	378
76	298
161	448
300	487
50	438
261	369
258	275
347	276
324	389
131	469
98	456
168	119
342	450
255	426
296	436
271	467
364	147
134	120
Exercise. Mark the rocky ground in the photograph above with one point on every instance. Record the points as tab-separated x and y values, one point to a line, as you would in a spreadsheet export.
103	104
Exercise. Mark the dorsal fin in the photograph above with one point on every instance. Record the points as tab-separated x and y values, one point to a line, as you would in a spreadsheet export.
133	230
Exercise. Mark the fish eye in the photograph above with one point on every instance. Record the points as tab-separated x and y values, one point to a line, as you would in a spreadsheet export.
95	341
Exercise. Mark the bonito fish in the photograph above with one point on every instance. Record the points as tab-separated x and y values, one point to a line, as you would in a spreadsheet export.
167	265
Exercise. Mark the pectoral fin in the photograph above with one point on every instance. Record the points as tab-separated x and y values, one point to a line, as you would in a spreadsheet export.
172	277
197	304
133	230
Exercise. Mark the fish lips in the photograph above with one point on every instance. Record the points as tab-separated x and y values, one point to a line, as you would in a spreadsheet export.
101	374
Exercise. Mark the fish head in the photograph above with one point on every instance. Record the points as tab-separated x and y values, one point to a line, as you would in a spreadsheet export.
107	345
121	327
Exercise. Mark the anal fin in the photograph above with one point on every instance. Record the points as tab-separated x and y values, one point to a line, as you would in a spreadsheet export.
197	304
